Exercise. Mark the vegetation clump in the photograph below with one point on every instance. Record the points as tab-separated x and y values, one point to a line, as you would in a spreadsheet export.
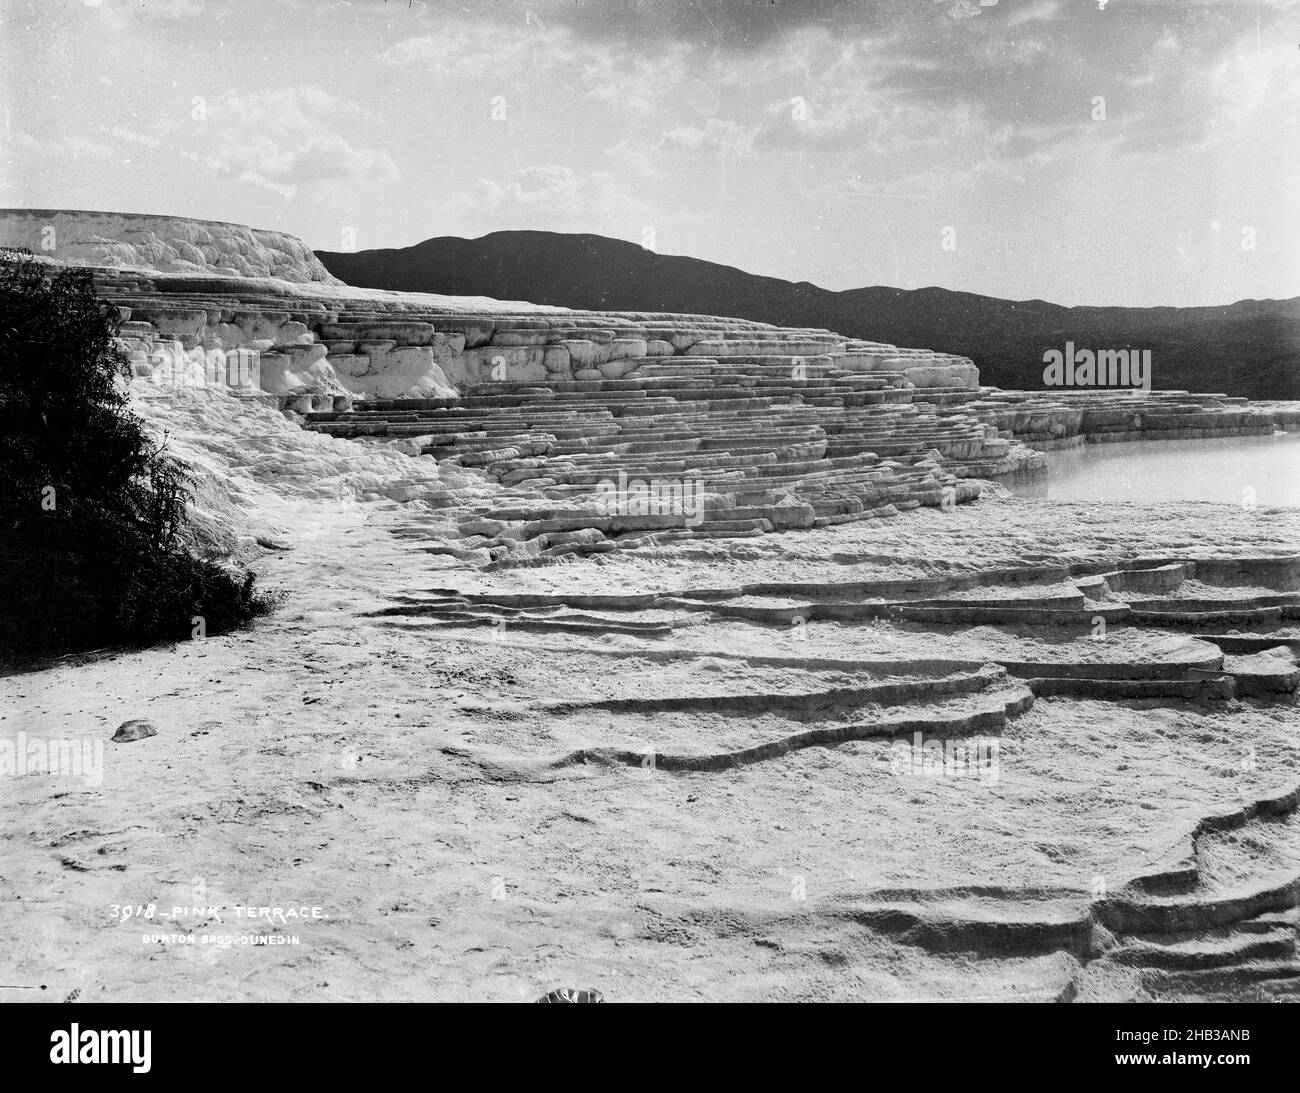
93	545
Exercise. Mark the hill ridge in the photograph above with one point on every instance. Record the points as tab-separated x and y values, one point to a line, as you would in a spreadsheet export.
1246	348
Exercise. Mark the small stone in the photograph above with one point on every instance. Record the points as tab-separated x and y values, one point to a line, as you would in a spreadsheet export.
135	729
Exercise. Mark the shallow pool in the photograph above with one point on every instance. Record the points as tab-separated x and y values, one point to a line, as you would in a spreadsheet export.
1235	470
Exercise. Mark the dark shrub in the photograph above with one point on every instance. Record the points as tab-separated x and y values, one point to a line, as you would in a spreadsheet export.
92	514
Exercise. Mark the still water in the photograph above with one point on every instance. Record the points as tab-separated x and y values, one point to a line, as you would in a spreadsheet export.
1222	469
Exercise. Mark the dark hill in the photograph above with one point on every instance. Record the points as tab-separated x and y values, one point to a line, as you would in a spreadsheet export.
1250	348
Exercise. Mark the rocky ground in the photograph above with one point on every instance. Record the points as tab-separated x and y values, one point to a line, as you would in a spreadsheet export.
711	770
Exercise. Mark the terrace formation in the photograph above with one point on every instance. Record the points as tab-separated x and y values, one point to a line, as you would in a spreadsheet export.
603	430
795	569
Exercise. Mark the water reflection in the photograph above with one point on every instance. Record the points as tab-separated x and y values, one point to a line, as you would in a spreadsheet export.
1222	469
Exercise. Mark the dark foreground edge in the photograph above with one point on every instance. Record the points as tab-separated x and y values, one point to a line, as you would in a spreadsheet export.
261	1044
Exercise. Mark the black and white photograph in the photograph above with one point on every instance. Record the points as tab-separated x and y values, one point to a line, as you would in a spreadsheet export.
638	501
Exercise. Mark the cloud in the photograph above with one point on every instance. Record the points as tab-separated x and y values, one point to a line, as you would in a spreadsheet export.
716	136
486	50
734	26
70	144
966	9
290	135
1033	12
319	159
912	101
291	110
457	53
1249	81
551	195
800	123
665	153
616	74
633	82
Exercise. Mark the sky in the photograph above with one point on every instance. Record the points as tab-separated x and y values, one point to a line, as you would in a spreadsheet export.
1134	152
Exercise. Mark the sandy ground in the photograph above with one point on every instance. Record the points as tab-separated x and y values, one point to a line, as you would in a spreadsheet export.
394	791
